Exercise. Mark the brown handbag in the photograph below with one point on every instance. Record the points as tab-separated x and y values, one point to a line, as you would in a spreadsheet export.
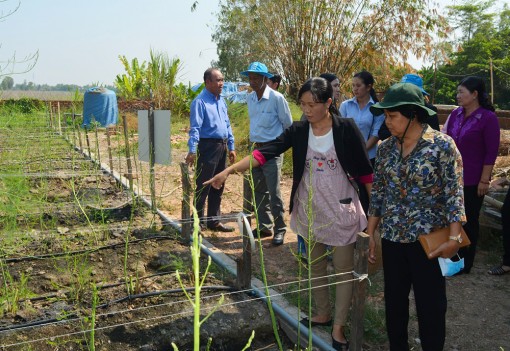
433	240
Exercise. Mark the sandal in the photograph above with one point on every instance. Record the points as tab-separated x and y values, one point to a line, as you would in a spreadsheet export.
339	346
306	323
498	270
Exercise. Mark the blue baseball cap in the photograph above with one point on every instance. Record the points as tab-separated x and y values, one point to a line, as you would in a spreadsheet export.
258	68
401	94
414	79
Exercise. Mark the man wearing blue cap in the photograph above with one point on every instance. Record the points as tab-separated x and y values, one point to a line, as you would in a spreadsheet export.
432	121
269	116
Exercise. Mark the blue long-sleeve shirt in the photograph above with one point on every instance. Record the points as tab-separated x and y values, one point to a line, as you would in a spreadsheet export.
269	116
209	119
367	123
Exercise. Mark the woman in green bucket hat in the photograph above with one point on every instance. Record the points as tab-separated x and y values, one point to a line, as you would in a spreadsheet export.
417	189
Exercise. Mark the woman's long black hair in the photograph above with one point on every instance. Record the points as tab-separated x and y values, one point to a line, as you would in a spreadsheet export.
368	79
474	83
321	90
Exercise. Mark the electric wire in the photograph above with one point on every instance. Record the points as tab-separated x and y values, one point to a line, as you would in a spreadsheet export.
499	69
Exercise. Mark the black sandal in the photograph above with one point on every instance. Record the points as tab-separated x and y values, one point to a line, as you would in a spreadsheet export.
306	323
498	270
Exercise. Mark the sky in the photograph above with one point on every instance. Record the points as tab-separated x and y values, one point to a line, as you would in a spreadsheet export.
79	42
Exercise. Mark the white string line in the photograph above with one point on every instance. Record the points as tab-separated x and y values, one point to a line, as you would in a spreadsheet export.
40	159
50	232
77	174
185	312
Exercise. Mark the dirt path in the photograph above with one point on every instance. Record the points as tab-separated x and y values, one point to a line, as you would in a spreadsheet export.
478	316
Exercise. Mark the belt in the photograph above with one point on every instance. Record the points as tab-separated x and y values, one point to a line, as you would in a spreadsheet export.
261	143
213	140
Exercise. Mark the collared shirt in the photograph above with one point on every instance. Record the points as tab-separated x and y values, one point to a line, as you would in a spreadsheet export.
367	123
477	138
421	192
209	119
269	116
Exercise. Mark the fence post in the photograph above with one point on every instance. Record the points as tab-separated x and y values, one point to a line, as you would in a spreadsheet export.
87	139
152	159
98	156
359	291
128	153
51	121
58	115
247	202
243	280
74	131
78	129
187	224
51	113
108	141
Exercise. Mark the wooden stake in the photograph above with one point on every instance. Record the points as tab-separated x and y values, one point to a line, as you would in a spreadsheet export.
187	225
58	115
108	141
359	291
128	153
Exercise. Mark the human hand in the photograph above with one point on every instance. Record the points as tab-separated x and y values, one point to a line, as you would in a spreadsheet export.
232	157
190	159
446	250
483	188
218	180
371	250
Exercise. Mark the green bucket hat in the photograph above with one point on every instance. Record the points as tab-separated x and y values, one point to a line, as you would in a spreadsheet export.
401	94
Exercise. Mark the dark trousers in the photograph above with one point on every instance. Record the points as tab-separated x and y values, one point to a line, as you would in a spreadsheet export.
406	266
473	204
212	158
505	219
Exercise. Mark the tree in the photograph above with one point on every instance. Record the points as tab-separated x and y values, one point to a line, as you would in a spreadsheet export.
487	41
14	65
7	83
471	17
303	38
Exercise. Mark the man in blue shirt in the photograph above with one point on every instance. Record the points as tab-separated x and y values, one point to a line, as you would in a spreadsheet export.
269	116
209	136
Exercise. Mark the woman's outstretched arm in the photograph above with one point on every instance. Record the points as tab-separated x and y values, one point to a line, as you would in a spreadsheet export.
241	166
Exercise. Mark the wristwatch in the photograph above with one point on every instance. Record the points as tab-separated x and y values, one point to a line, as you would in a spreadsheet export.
457	238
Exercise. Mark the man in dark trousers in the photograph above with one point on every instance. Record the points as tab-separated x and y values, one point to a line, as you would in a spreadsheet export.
432	121
269	116
210	135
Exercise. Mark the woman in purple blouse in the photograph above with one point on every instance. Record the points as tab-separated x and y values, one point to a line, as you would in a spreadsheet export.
475	129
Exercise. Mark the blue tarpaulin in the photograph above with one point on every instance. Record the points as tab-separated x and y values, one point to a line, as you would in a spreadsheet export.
100	104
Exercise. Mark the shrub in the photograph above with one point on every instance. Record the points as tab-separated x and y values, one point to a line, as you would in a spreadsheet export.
24	105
